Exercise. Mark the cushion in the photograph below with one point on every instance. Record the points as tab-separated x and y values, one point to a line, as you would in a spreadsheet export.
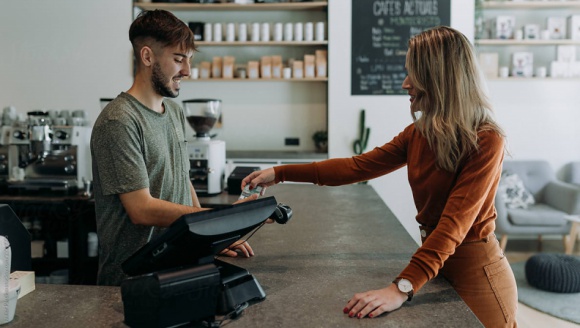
512	191
556	273
537	215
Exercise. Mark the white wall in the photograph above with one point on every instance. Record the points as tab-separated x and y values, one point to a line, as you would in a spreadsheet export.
63	54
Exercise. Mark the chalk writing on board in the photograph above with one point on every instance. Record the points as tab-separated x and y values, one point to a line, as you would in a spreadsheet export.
381	30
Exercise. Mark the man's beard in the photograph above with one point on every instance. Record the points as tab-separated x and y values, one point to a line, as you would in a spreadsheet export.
160	84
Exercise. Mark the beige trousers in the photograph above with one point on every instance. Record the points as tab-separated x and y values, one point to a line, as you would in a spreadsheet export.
482	276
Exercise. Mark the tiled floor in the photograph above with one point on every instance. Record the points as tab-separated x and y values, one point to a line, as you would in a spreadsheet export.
520	250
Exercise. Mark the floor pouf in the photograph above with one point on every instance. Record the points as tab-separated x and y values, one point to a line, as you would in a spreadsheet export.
557	273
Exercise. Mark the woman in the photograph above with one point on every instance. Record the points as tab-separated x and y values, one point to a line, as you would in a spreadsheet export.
453	152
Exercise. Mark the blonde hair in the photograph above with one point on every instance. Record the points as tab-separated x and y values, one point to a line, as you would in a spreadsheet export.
449	94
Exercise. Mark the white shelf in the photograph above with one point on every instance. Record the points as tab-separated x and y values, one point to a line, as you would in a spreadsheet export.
262	43
512	42
530	4
314	79
317	5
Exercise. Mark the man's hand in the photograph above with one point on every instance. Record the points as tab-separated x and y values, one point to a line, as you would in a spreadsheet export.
241	247
375	302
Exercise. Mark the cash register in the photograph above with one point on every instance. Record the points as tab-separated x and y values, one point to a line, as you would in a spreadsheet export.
176	279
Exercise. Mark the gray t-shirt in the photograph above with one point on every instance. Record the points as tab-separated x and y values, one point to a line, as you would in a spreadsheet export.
134	147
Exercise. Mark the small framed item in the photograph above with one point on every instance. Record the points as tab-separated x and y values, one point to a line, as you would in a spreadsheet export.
502	27
557	27
522	64
531	31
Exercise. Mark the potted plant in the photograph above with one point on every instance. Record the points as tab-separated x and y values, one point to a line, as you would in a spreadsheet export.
321	141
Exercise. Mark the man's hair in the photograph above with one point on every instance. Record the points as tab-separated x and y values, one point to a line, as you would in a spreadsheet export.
160	28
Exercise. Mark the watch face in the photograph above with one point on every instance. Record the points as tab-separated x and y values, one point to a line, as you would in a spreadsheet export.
405	285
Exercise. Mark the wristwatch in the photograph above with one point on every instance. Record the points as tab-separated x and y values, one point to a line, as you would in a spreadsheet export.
405	286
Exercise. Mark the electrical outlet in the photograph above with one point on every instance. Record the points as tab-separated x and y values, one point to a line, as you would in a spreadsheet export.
292	142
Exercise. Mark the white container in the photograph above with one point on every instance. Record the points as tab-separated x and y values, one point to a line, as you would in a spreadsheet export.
194	73
287	72
9	290
217	32
541	72
230	32
243	32
255	32
504	72
320	31
207	32
309	32
13	292
265	32
278	32
298	32
288	32
92	244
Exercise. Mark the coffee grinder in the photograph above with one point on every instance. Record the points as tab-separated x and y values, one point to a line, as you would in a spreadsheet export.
207	157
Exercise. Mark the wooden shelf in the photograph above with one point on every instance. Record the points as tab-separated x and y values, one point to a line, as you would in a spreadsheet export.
539	79
318	5
530	5
512	42
262	43
315	79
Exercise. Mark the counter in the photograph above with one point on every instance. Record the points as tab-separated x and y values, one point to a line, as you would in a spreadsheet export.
340	241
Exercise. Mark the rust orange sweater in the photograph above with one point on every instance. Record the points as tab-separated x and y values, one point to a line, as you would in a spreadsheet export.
460	205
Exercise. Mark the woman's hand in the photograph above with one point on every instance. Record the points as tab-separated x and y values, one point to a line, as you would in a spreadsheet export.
375	302
241	247
264	178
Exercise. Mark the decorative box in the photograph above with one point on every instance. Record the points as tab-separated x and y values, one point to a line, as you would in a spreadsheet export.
557	27
522	64
566	53
489	63
502	27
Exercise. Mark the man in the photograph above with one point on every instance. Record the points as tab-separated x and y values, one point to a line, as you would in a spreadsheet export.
139	150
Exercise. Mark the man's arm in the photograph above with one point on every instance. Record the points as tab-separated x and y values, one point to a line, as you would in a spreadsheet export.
145	209
194	196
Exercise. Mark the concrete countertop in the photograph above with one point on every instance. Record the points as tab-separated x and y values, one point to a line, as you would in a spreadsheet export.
340	241
274	155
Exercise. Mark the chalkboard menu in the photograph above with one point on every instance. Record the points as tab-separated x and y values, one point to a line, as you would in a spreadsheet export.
381	30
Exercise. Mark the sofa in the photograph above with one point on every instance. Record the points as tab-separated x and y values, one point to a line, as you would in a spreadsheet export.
553	200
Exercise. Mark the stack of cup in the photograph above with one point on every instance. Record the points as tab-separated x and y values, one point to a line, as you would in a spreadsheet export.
298	32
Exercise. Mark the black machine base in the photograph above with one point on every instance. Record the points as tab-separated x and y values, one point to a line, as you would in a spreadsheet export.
187	295
238	287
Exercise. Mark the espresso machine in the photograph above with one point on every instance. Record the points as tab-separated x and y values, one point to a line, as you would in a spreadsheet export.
49	154
207	156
